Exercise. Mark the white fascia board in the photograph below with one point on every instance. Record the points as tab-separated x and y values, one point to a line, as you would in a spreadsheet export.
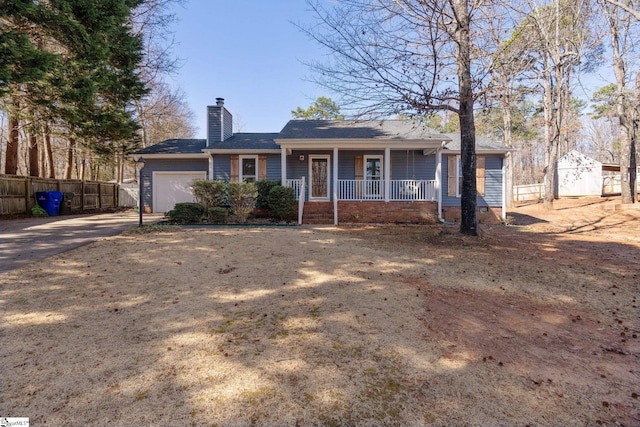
240	151
355	144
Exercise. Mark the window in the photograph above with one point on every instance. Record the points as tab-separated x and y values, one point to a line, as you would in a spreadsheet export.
373	175
248	168
454	176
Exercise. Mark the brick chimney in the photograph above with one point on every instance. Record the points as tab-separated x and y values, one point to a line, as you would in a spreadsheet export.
219	123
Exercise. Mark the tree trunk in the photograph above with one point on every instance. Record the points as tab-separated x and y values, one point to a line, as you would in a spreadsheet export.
49	153
68	168
619	70
508	141
635	130
34	155
11	155
83	167
551	148
468	199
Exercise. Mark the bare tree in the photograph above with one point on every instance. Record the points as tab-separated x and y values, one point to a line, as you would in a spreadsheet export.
621	25
409	57
556	36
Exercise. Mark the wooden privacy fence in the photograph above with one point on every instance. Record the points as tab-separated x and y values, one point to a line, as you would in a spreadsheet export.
17	193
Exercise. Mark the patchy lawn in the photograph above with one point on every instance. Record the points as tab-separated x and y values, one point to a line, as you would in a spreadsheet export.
535	324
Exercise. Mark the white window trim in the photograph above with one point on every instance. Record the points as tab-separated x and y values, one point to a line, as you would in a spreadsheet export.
327	157
458	175
240	159
364	165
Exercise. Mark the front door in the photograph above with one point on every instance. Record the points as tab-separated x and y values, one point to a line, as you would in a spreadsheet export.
319	177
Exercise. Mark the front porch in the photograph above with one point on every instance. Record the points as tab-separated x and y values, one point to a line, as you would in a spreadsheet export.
372	200
370	212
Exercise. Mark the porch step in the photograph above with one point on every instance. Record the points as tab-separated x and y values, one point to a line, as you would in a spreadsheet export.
317	213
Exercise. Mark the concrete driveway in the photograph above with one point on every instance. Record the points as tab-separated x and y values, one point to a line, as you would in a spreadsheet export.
28	240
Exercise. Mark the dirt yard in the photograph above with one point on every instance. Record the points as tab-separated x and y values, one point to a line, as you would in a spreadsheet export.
533	324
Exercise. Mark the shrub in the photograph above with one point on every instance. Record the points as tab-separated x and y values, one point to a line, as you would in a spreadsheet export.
282	201
186	213
217	215
37	210
264	187
208	193
242	198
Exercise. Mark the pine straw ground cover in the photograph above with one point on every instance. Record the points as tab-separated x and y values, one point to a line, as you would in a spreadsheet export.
533	325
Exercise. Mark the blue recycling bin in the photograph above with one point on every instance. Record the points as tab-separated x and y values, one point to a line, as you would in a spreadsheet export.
49	201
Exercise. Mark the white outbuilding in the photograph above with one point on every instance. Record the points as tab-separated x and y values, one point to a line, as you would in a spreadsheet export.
578	175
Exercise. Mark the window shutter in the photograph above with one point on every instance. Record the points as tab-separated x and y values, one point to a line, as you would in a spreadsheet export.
262	167
451	176
235	163
480	175
359	167
359	175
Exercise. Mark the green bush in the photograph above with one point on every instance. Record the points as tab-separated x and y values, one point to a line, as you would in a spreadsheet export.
217	215
37	210
209	193
242	198
282	201
264	187
186	213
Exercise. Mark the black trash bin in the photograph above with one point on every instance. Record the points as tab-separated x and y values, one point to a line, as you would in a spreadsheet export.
65	206
49	201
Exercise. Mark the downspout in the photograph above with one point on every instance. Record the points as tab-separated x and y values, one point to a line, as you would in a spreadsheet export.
439	180
504	188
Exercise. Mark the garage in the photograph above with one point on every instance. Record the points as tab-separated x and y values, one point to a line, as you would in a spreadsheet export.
170	188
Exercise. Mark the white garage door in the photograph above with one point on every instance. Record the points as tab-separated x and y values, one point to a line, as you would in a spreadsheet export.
170	188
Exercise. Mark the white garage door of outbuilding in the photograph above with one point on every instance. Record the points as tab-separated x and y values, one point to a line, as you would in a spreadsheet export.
170	188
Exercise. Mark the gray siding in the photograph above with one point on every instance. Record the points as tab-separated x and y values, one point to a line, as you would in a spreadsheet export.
168	165
228	124
412	164
274	169
214	124
492	183
218	129
221	167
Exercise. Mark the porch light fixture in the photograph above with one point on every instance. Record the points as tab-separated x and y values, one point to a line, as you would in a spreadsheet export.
301	157
139	167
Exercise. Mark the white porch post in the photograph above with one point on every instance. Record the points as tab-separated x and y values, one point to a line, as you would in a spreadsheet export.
335	186
283	166
439	181
210	167
387	174
504	188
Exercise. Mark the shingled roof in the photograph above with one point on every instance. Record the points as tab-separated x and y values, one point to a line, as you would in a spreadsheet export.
175	146
482	143
354	129
247	141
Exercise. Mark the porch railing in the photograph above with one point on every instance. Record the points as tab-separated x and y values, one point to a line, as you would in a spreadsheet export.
399	190
297	185
413	190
